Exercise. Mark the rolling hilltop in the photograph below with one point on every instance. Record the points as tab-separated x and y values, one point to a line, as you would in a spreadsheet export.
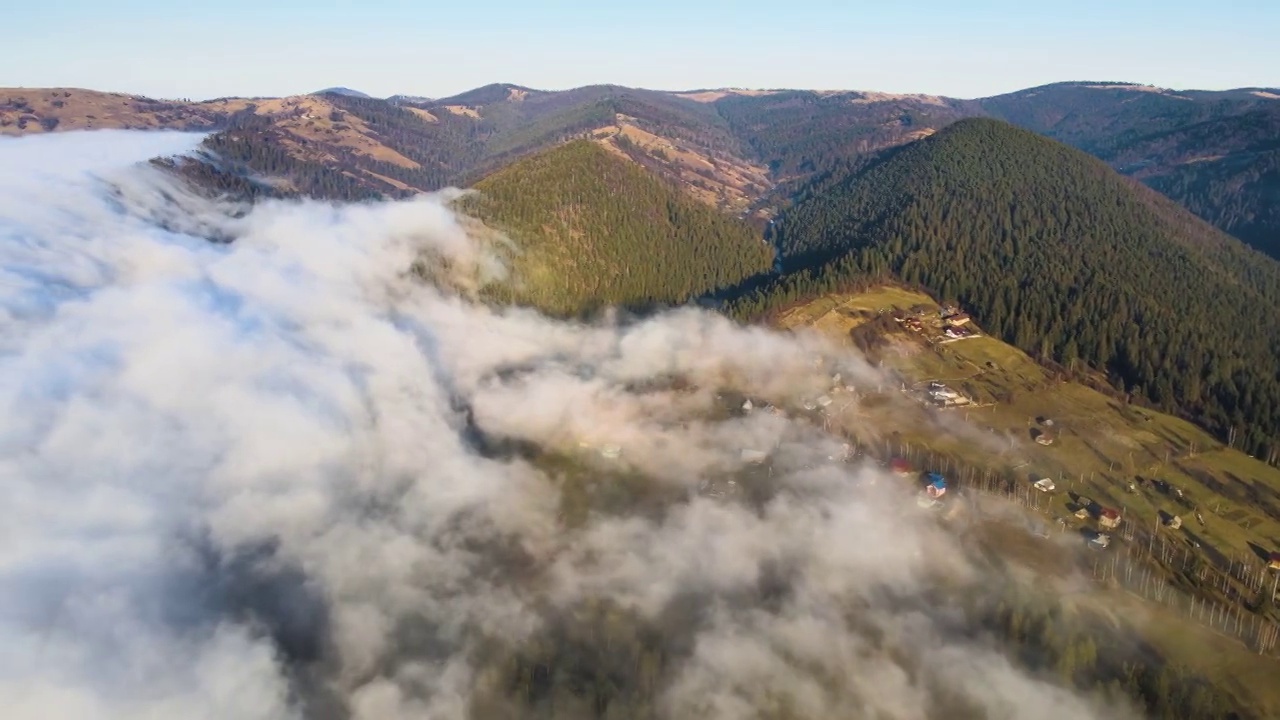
1099	117
1061	256
594	229
680	139
393	149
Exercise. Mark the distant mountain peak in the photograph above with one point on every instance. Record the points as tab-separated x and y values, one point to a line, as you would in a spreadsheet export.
343	91
490	94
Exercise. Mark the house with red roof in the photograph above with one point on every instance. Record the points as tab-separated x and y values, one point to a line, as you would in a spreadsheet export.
1109	518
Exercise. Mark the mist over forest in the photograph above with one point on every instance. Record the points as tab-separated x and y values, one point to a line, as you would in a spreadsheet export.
306	471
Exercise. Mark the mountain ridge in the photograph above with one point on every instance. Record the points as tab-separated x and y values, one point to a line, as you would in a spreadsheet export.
745	151
342	91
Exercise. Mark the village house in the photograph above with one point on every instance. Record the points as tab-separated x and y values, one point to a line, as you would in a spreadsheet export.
1274	564
957	319
937	486
1109	518
943	393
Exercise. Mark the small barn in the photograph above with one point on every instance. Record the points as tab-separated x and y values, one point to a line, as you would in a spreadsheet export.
1274	563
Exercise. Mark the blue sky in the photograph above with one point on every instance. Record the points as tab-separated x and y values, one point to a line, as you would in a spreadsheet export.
964	48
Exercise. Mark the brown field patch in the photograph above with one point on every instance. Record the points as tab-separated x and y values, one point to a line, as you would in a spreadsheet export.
871	96
717	179
424	114
37	110
463	110
390	181
306	117
707	96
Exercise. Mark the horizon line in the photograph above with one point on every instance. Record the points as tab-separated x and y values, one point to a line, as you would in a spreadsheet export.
691	91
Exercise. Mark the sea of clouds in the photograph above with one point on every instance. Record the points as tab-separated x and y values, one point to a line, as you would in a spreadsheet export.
256	479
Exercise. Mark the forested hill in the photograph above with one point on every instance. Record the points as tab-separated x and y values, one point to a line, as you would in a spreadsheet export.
1057	253
595	229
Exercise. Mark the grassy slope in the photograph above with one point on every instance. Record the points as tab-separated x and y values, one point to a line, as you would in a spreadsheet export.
1102	444
594	230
